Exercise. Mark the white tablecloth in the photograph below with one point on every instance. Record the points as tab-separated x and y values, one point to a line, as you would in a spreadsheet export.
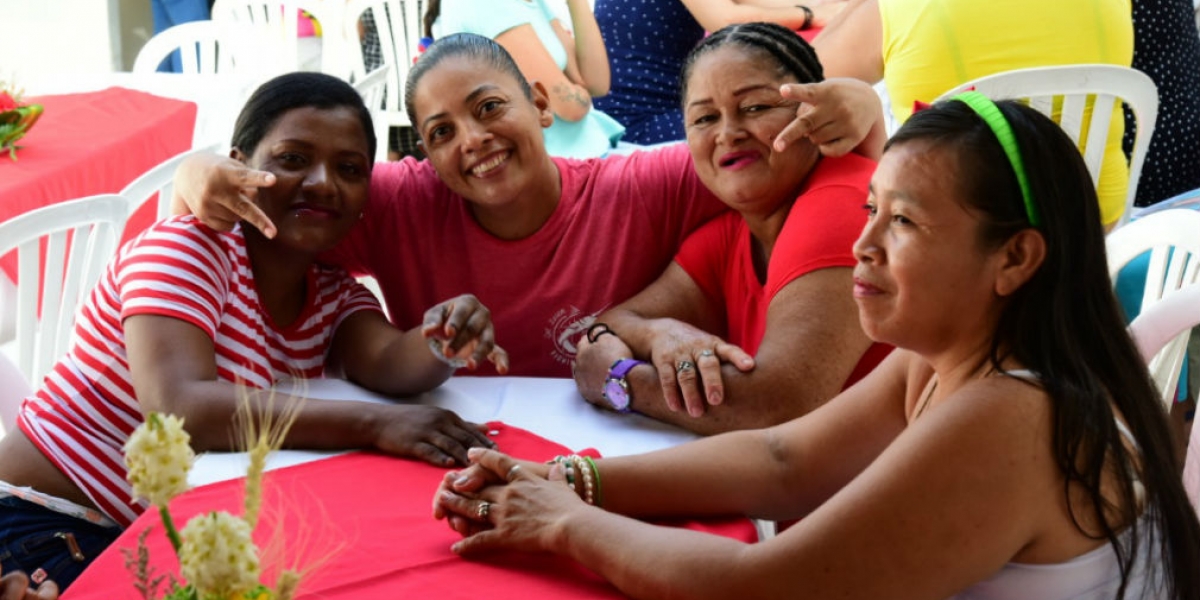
550	408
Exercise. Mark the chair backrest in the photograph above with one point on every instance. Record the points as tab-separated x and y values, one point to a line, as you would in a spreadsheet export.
399	25
1172	238
79	237
205	49
159	183
373	88
1071	87
13	390
276	23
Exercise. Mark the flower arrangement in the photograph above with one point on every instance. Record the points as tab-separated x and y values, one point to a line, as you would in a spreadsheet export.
217	557
15	119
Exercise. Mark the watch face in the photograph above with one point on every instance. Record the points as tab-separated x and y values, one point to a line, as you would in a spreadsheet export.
617	395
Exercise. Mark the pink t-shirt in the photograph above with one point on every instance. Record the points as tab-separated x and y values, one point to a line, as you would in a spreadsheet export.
617	225
819	233
86	409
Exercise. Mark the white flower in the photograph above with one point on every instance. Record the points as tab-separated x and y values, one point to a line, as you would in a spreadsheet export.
159	456
218	556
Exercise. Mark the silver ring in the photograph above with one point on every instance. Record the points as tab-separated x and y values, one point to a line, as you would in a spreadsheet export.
684	365
706	352
512	473
483	509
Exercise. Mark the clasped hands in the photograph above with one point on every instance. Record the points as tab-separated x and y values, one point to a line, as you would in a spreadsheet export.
502	503
687	360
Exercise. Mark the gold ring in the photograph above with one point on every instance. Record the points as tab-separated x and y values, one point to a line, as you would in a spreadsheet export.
684	365
483	509
706	352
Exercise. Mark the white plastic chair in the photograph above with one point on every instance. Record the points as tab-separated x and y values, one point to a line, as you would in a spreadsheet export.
275	23
205	48
1073	86
80	237
159	180
1173	239
13	390
372	88
399	25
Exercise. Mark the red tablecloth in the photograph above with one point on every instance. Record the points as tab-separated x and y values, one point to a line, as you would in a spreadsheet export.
364	520
92	143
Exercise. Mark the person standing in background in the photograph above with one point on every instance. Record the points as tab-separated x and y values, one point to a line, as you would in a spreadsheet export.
647	41
571	65
1166	46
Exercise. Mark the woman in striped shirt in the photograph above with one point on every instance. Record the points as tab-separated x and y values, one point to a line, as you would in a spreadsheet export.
185	318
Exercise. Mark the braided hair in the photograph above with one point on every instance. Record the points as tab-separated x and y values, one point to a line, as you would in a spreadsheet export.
792	55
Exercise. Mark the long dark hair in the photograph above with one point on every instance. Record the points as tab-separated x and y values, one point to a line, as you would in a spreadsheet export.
792	55
296	90
477	48
432	10
1065	325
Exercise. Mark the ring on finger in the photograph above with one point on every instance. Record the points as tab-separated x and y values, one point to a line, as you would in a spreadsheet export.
706	353
684	365
512	473
483	510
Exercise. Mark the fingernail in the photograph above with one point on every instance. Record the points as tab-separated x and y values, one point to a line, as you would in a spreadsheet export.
461	481
456	547
714	398
474	452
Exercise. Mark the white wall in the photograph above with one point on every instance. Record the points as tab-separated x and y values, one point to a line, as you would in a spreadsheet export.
47	37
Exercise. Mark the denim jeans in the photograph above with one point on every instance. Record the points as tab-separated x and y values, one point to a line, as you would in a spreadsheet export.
33	537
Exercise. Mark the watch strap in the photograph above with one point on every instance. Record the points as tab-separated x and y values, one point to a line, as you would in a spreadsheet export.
622	367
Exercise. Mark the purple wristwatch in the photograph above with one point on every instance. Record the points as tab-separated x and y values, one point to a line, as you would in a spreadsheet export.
616	388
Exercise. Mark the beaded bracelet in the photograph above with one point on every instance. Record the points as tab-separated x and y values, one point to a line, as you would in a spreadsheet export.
589	486
582	476
596	475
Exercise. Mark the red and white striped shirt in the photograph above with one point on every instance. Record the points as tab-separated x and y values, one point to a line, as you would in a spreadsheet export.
86	409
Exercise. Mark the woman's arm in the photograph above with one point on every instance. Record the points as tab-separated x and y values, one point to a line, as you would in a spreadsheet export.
811	344
945	504
568	100
587	47
371	352
852	45
715	14
792	468
173	367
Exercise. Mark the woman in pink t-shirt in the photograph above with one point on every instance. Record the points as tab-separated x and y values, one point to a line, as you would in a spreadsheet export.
771	279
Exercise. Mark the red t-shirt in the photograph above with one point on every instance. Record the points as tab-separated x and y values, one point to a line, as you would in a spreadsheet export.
617	225
819	233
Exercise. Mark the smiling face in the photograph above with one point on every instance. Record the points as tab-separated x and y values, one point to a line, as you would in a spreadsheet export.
923	279
482	134
322	169
732	113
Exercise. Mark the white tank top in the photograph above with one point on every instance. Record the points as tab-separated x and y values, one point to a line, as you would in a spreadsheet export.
1095	575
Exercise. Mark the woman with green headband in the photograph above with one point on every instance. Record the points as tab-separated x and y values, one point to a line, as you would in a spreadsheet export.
1012	447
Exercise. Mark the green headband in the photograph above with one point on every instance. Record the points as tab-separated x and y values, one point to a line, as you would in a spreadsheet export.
990	113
